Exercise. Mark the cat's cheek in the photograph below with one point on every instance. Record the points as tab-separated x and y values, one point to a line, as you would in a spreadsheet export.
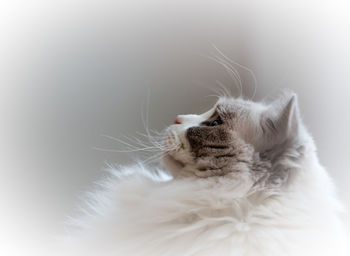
177	168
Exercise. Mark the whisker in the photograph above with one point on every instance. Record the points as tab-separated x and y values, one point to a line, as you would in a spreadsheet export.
124	151
118	140
241	66
149	142
229	70
228	93
152	158
232	72
217	91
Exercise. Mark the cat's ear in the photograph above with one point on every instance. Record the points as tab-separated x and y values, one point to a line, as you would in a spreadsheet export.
281	121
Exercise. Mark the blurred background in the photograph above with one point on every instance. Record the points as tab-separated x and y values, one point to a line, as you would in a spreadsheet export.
71	71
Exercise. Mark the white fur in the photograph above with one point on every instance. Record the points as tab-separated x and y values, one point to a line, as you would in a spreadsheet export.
137	214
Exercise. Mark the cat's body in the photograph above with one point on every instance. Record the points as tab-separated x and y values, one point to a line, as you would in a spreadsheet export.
247	182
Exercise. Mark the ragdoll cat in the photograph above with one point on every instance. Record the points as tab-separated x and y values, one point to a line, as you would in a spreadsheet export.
246	181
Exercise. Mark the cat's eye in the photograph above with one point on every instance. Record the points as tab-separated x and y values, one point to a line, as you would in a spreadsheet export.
217	121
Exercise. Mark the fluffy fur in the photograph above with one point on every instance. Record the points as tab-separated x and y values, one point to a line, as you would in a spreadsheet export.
245	181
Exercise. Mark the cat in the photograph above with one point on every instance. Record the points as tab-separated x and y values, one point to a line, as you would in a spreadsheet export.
244	180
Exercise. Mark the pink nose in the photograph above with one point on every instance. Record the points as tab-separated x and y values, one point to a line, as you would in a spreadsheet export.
177	120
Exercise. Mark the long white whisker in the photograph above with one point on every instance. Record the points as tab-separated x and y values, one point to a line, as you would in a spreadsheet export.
154	139
118	140
229	70
232	71
228	93
241	66
121	151
217	91
133	148
145	124
153	143
152	158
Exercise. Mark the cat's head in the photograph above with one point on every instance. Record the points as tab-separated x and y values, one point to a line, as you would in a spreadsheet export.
234	136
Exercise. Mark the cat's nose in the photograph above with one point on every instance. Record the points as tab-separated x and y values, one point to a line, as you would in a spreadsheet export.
177	120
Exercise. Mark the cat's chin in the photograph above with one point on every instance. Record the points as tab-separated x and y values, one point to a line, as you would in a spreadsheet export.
171	163
176	167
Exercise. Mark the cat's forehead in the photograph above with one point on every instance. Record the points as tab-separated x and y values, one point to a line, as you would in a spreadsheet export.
237	105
